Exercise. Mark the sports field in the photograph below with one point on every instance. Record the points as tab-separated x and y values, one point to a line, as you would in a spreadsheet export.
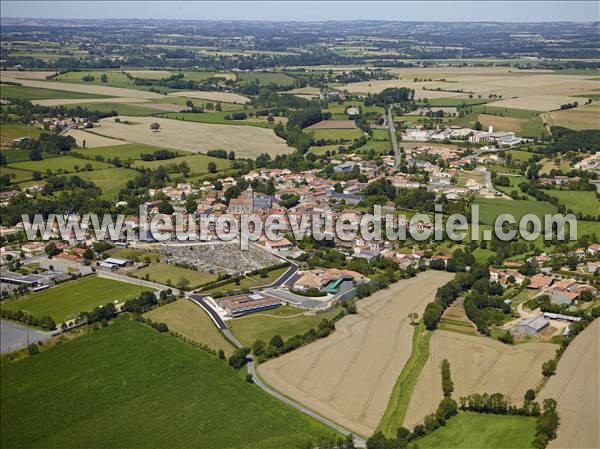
72	297
478	365
191	321
469	430
171	274
330	375
286	321
149	389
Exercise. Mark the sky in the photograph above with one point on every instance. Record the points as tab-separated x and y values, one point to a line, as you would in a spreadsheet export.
498	11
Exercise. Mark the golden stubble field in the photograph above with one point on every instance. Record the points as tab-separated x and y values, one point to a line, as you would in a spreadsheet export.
582	117
576	387
246	141
226	97
349	376
477	365
92	140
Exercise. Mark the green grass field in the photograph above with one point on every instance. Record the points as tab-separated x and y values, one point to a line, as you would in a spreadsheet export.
110	180
63	164
477	431
490	208
198	163
115	79
581	202
403	388
323	149
286	321
265	78
11	131
72	297
123	152
519	155
170	274
190	320
15	155
218	118
121	108
36	93
16	175
247	283
149	389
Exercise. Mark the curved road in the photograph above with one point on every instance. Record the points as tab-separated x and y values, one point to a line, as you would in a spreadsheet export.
199	300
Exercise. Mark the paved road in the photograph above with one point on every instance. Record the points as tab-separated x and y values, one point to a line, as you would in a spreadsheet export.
199	300
394	138
16	336
490	186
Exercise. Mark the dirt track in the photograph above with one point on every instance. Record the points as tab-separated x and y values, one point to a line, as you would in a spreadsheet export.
477	365
576	387
348	377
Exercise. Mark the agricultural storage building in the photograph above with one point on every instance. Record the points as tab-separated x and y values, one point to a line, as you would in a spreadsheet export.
530	326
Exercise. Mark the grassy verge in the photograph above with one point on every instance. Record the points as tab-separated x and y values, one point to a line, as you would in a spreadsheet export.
396	409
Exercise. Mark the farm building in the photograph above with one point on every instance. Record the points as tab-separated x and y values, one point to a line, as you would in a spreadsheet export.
530	326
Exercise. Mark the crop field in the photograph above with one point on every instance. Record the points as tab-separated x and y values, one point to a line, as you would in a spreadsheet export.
35	93
170	274
536	102
198	163
134	108
478	365
576	389
176	392
69	298
501	123
470	430
329	375
86	139
190	320
286	321
196	137
123	152
226	97
63	164
9	132
333	124
110	180
84	88
336	134
581	202
581	117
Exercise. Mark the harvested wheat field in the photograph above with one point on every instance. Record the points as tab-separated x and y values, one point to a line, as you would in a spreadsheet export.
576	387
349	376
477	365
334	124
226	97
92	140
504	123
246	141
581	117
536	102
33	74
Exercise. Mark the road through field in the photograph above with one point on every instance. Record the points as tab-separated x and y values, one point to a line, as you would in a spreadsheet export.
576	387
348	377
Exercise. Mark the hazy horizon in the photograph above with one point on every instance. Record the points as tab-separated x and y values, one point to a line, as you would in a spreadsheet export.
433	11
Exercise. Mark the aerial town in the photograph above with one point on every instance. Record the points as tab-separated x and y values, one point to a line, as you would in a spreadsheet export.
127	295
